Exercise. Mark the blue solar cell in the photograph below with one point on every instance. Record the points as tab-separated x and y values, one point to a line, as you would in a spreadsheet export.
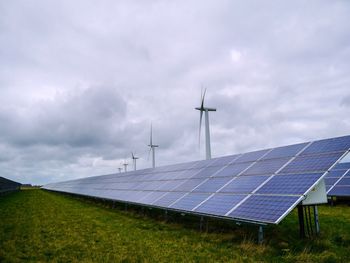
189	184
244	184
204	163
344	181
136	196
309	163
219	204
339	191
168	199
207	172
264	208
330	181
186	174
212	185
266	166
336	173
232	170
285	151
170	185
329	145
221	161
151	197
251	156
342	166
296	184
190	201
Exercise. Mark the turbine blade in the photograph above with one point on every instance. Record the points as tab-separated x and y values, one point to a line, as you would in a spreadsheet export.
150	139
202	104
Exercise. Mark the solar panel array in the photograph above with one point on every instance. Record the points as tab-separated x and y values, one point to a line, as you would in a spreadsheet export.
338	180
260	187
7	185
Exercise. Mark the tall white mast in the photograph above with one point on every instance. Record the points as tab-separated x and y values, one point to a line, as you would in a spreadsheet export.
152	148
207	130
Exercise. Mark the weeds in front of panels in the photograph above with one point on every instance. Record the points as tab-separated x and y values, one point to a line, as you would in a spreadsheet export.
36	225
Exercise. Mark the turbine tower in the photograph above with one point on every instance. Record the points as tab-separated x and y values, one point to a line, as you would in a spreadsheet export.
125	164
152	148
207	132
134	158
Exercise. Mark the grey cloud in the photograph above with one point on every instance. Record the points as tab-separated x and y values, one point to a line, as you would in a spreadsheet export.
81	82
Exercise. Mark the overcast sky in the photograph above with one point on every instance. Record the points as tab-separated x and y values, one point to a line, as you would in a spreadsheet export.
81	81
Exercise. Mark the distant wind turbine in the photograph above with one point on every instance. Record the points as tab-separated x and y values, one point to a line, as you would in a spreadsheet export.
134	158
152	148
120	169
207	132
125	164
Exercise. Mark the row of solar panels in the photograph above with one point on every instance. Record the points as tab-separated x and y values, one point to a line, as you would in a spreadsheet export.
338	180
7	185
261	186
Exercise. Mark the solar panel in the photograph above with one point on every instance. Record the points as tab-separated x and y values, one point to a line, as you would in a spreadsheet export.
286	151
261	186
293	184
168	199
338	180
266	166
342	166
189	201
212	184
309	163
328	145
265	208
244	184
342	191
219	204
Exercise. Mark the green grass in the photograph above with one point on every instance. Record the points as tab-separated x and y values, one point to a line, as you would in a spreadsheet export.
39	226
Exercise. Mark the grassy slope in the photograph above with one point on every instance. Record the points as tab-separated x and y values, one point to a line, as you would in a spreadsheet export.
42	226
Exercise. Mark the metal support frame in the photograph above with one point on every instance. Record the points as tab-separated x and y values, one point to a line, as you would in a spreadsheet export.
301	221
305	214
317	223
201	224
260	235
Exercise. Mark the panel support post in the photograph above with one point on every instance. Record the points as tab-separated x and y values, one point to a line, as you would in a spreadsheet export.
301	221
317	223
201	224
260	235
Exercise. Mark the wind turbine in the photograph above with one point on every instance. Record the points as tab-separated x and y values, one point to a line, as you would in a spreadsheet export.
152	148
207	132
120	169
134	158
125	164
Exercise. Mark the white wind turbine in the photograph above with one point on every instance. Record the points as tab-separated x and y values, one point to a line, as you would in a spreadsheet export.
152	148
134	158
207	132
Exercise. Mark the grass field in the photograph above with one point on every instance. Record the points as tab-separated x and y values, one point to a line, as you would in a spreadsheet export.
39	226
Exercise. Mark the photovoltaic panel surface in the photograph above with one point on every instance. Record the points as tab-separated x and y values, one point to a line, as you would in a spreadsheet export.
338	180
261	186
